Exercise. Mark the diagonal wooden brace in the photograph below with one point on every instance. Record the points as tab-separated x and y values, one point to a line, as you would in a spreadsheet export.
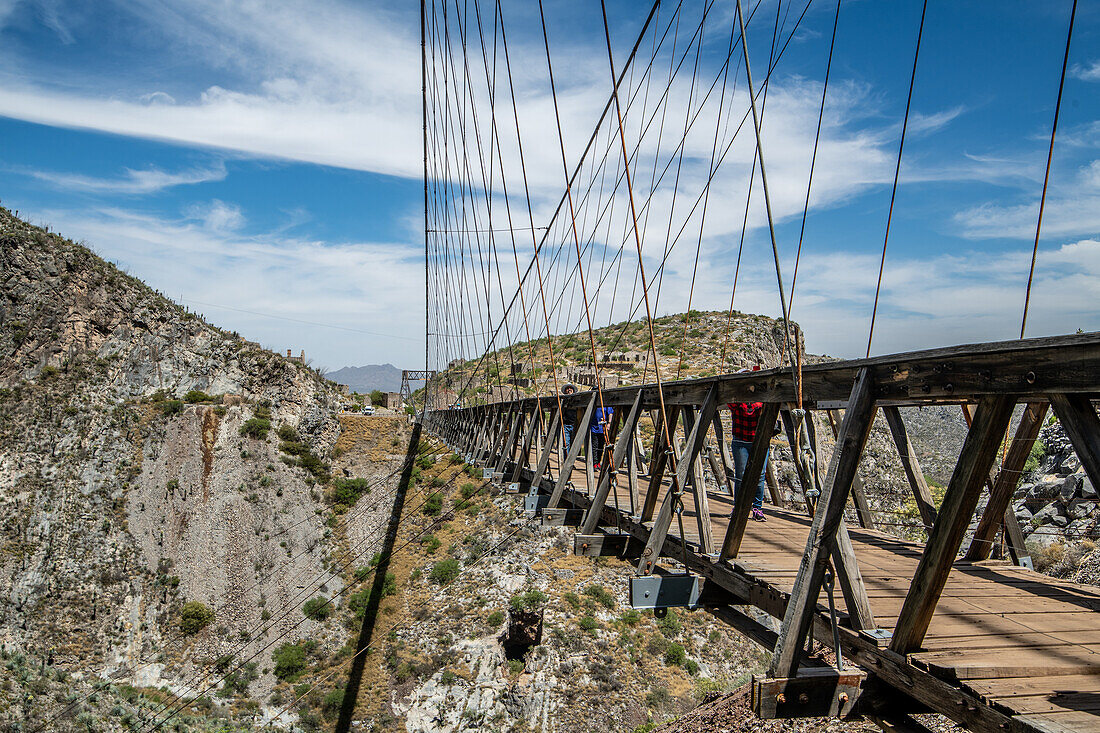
1000	496
566	468
802	603
742	501
972	470
622	445
692	446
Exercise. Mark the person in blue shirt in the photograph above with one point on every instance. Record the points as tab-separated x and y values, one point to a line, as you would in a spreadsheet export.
599	427
569	417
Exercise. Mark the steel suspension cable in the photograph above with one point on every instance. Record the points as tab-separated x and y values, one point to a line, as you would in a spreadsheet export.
897	173
1046	175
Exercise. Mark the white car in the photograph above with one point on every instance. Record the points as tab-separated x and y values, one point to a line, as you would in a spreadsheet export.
368	410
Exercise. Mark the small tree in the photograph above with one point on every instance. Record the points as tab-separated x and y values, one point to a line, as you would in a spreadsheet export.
195	616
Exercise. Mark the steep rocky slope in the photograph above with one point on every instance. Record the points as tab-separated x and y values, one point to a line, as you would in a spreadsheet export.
140	470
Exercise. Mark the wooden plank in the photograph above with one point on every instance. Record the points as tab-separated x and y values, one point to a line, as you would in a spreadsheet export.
1000	497
552	435
565	471
978	453
661	524
739	519
859	496
622	445
773	484
1081	424
700	425
657	463
508	446
524	460
830	511
909	463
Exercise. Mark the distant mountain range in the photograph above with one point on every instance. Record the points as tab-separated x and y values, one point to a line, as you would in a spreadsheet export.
363	379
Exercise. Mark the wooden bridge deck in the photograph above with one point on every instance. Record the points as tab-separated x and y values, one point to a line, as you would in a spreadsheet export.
1022	642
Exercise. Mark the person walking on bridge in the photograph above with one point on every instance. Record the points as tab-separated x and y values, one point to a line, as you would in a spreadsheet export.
745	419
569	417
599	427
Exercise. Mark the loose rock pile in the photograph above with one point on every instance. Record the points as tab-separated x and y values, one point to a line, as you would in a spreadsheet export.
1058	500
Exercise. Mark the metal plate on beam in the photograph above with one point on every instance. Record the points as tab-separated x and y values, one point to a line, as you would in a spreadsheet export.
815	693
486	474
512	488
532	503
665	591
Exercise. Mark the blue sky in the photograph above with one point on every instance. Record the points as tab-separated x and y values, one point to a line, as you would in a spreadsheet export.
261	163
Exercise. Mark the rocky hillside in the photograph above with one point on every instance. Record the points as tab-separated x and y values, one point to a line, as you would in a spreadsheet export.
161	482
696	344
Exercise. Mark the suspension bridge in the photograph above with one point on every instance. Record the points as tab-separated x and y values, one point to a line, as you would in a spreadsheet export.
942	626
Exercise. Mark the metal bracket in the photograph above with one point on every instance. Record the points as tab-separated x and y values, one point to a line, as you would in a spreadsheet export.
512	488
665	591
486	474
532	503
814	693
879	637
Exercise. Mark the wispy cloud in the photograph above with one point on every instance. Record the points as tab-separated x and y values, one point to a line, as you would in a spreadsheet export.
131	182
1087	72
217	216
358	285
1072	209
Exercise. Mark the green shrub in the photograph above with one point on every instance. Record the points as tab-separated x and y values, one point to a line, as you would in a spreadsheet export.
290	660
195	616
256	427
331	703
588	623
346	491
601	594
376	397
286	432
670	624
195	396
433	504
237	681
425	462
630	617
430	543
445	571
530	600
572	599
496	618
1038	452
317	608
170	407
675	654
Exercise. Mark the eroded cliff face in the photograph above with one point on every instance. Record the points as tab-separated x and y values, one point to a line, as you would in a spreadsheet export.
119	502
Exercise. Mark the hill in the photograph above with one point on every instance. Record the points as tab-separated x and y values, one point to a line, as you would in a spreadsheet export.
364	379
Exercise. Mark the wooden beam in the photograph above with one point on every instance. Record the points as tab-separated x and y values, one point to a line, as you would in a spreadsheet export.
909	463
742	501
1081	424
859	496
663	521
724	452
524	459
978	453
552	435
1000	496
800	609
717	469
622	446
657	463
566	468
773	486
700	426
508	447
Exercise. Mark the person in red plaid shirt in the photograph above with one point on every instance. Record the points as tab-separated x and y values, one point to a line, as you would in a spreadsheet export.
745	418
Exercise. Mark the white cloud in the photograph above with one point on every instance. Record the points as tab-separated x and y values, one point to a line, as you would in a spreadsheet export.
217	216
1087	72
361	286
149	180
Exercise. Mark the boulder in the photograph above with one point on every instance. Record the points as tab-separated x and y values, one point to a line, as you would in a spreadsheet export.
1068	490
1022	490
1078	528
1071	463
1023	514
1081	508
1088	491
1047	487
1047	513
1059	520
